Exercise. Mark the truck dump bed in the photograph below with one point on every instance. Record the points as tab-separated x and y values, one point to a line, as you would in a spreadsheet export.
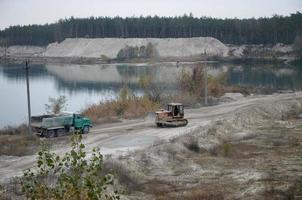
52	121
36	121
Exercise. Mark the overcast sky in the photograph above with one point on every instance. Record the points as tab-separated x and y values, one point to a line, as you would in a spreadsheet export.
21	12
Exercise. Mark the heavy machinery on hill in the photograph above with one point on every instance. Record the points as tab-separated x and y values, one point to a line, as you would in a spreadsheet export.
172	117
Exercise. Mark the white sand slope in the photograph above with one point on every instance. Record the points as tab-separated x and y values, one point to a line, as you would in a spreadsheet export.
109	47
22	51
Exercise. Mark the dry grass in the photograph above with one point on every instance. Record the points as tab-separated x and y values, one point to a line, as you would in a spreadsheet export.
192	145
192	86
164	190
124	175
293	114
189	100
202	193
134	107
12	190
16	142
128	106
10	130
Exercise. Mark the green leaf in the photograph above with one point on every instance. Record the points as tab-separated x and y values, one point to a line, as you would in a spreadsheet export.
39	163
74	174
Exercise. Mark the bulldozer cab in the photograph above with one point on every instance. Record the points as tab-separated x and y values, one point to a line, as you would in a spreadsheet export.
176	109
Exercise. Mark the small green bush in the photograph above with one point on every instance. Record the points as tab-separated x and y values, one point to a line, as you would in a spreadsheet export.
71	176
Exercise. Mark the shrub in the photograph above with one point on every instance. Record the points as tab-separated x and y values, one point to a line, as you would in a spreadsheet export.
130	52
134	107
151	88
71	176
192	84
10	130
216	86
193	145
123	174
226	149
55	104
125	94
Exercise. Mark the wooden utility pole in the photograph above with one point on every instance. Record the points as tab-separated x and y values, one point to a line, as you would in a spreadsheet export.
205	85
28	97
205	82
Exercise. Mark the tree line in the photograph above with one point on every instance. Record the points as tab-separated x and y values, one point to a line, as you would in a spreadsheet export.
275	29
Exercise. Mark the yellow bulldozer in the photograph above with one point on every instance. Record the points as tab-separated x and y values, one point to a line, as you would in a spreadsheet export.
172	117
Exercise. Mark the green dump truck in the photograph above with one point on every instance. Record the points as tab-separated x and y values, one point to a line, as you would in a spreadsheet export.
56	125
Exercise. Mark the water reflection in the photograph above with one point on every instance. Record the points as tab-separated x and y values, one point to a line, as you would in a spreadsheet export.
16	72
87	84
266	76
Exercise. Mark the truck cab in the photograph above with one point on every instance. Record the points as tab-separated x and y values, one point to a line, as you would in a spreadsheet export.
81	123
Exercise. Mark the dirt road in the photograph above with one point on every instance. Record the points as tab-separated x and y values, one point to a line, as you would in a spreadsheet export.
120	138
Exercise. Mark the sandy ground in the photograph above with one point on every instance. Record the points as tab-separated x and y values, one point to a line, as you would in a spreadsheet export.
125	137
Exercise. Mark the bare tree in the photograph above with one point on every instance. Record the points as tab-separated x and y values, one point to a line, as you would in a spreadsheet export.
55	105
153	90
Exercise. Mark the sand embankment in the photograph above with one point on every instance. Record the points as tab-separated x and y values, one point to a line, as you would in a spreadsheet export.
102	50
110	47
22	51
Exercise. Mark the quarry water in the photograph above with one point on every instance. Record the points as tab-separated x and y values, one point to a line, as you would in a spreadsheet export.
84	85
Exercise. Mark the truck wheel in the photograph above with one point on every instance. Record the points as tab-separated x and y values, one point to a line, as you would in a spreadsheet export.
161	125
61	132
86	129
50	133
43	133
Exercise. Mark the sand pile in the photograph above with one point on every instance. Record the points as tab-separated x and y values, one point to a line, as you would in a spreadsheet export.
109	47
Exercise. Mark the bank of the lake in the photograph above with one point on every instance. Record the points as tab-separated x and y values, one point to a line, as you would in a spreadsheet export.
84	85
